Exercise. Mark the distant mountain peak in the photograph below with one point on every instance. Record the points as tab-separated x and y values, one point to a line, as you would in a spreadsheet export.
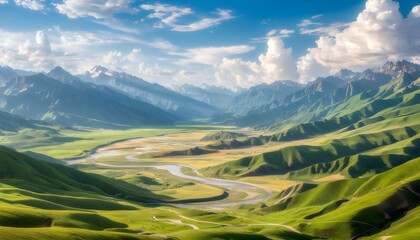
98	70
58	70
345	74
5	67
62	75
398	68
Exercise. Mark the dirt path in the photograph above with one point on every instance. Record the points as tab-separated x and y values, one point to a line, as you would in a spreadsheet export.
224	224
176	222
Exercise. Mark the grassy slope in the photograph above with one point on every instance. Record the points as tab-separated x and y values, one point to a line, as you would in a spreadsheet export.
299	157
222	135
326	108
372	128
354	207
25	172
375	146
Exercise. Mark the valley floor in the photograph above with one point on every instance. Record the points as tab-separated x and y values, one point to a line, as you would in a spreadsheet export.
187	201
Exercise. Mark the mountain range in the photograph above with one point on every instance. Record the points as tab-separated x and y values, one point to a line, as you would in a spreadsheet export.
70	102
104	98
328	97
153	93
216	96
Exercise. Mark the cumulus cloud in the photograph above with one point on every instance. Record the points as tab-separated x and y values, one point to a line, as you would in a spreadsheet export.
276	64
3	1
380	33
34	51
122	61
31	4
234	73
169	16
73	50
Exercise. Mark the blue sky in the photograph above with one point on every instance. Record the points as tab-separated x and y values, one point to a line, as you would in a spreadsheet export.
233	43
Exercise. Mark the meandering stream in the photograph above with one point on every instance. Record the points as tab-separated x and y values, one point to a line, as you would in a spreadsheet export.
254	193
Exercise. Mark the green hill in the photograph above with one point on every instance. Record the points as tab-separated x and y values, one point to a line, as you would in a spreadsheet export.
222	135
352	208
13	123
27	173
295	158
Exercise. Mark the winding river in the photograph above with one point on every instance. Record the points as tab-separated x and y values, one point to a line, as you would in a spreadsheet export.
254	193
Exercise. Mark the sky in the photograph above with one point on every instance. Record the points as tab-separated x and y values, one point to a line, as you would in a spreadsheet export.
235	43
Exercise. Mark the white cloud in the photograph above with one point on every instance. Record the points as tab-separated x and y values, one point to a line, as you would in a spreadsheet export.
234	73
112	57
223	15
99	9
169	16
380	33
3	1
271	33
133	63
31	4
282	33
286	32
127	62
102	11
154	71
331	29
276	64
42	50
210	55
31	52
307	22
162	44
78	51
415	12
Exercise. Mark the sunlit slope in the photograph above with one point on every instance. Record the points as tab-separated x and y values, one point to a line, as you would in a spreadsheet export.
333	156
30	174
352	208
375	138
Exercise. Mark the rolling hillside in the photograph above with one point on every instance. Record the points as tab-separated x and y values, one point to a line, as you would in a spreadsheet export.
24	172
13	123
385	204
389	117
